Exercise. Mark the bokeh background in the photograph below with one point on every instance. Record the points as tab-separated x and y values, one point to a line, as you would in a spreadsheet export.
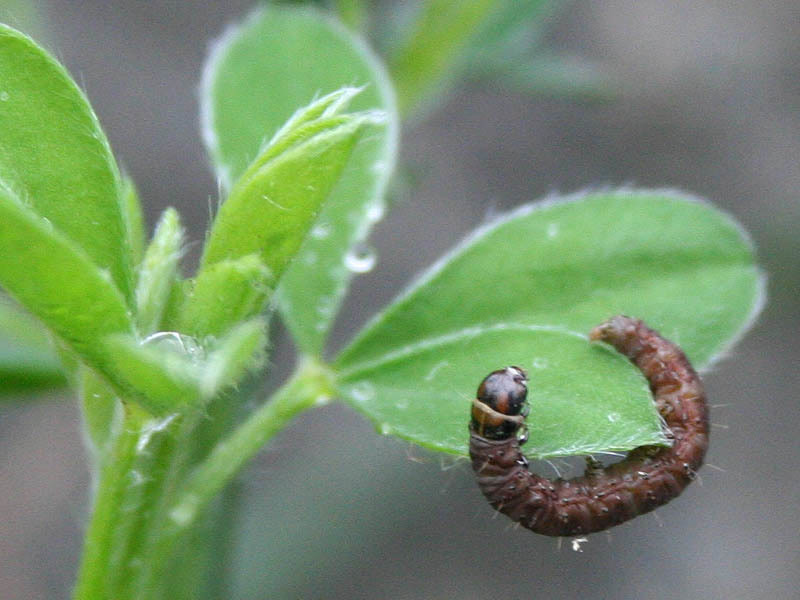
706	99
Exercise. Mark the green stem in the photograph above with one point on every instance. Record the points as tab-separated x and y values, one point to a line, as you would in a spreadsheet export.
312	384
95	569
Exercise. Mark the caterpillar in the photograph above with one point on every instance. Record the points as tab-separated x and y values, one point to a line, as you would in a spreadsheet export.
648	477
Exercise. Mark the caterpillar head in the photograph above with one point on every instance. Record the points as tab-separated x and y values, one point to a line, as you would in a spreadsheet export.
500	406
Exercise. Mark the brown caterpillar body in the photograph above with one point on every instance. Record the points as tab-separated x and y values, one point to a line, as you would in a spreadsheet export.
647	478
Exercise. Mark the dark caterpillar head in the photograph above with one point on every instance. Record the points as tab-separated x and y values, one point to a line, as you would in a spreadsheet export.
501	394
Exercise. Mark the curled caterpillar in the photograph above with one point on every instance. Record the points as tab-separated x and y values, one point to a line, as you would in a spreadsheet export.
602	497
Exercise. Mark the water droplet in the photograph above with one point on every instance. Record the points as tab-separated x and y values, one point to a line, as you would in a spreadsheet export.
322	400
184	513
378	167
539	363
49	226
375	211
360	259
172	341
576	544
4	96
310	258
320	231
402	404
363	391
325	306
552	230
386	429
613	417
149	429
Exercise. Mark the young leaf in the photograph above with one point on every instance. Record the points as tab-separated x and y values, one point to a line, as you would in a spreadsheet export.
233	356
58	283
55	157
158	272
134	220
224	294
682	266
272	207
245	99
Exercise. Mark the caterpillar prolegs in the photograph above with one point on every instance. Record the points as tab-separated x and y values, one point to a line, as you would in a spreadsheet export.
602	497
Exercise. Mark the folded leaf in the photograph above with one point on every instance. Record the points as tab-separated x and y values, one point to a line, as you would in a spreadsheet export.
233	356
158	272
246	100
225	294
271	209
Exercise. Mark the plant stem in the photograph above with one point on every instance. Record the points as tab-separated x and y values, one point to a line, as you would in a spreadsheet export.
95	569
312	384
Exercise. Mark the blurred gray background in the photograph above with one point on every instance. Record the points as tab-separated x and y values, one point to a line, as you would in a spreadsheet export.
708	102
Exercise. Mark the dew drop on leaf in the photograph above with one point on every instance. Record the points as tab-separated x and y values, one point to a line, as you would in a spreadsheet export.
539	363
360	259
375	212
363	391
172	341
320	231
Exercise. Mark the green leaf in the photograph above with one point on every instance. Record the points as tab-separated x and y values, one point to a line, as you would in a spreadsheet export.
224	294
58	283
245	99
55	157
682	266
272	207
158	272
27	358
584	398
442	31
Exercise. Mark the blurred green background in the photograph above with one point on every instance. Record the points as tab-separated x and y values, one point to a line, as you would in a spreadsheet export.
706	99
